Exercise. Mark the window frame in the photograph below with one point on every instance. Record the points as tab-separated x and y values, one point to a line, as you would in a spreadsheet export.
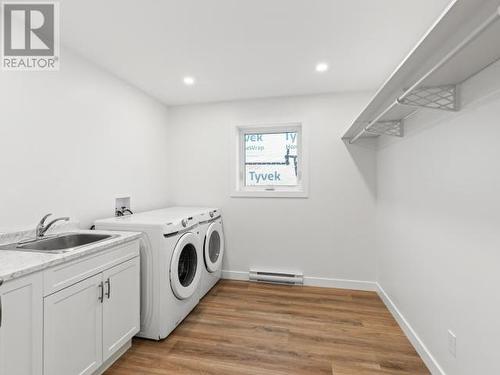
239	189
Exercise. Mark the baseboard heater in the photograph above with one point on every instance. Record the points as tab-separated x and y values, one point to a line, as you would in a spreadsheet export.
276	277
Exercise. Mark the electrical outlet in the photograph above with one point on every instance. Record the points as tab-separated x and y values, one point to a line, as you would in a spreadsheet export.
452	343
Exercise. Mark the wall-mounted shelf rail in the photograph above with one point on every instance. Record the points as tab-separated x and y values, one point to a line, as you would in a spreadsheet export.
464	41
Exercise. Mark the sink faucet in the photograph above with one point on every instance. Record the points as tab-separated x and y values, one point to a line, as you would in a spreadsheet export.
41	228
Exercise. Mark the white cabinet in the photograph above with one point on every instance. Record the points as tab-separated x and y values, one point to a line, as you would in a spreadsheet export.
75	318
73	329
84	324
121	307
21	319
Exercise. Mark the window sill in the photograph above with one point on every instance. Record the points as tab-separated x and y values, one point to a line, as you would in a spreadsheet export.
269	194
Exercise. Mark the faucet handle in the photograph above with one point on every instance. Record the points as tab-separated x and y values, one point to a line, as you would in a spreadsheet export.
44	218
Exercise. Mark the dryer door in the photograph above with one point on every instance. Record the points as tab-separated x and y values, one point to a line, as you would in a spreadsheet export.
185	266
214	247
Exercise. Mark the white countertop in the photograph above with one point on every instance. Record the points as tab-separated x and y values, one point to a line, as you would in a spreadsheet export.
14	263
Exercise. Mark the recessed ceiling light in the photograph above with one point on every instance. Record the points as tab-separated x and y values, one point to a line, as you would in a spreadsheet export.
321	67
189	81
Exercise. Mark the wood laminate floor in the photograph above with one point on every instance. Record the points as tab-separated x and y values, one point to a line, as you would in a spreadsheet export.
243	328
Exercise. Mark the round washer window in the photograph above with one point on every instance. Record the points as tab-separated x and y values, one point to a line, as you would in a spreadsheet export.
188	261
214	247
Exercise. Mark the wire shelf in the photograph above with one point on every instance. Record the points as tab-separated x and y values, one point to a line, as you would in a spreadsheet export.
462	43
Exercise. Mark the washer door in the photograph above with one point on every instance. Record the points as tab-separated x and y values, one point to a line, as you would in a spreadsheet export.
185	267
214	247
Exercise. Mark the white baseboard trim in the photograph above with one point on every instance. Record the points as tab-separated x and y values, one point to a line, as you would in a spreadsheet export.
314	281
325	282
417	343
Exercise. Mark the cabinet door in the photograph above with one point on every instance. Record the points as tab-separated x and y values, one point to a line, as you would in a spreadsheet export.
121	308
73	329
21	311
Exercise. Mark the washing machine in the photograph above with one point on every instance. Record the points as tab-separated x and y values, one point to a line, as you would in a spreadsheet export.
212	242
171	266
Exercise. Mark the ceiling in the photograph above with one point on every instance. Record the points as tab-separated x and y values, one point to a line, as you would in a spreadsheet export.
239	49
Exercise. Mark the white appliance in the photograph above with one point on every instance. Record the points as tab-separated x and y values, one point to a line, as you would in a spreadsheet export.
212	242
171	266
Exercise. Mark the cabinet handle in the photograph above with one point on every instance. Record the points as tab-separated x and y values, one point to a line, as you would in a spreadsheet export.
101	292
108	293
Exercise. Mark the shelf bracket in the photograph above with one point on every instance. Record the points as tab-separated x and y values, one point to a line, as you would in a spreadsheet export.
435	97
392	128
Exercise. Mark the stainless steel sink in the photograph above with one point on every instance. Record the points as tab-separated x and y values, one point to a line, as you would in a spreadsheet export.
59	244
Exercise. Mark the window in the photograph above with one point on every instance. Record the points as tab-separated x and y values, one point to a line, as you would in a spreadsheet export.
270	161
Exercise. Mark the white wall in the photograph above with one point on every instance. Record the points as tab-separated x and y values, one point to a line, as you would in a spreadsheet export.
328	235
439	221
71	141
